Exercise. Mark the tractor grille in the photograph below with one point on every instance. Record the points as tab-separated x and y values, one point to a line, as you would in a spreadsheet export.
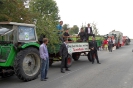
4	53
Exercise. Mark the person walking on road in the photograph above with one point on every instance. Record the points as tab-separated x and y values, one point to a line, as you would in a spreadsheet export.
93	47
110	44
44	59
64	54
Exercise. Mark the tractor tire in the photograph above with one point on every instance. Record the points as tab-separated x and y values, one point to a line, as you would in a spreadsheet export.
76	56
27	64
89	57
69	60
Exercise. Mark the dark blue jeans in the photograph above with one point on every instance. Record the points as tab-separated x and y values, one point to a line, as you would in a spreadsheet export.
44	68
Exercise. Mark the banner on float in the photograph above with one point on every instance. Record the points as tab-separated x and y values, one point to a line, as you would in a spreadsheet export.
77	47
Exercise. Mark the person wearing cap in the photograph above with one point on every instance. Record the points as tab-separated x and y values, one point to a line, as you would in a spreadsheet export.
89	32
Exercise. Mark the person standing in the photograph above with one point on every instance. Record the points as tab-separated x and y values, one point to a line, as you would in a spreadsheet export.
59	27
60	30
105	42
64	54
110	43
93	47
44	59
89	32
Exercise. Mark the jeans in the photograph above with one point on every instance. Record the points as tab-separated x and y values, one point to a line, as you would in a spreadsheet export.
44	68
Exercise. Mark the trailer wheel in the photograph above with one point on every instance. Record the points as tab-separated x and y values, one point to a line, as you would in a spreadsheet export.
27	64
69	60
89	57
76	56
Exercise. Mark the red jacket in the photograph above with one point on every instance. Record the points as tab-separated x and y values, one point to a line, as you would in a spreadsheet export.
105	42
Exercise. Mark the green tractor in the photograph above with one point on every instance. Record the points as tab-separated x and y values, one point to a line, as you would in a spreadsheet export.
19	51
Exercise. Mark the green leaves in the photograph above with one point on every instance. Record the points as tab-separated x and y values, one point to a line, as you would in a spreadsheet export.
15	11
65	26
74	30
47	18
95	29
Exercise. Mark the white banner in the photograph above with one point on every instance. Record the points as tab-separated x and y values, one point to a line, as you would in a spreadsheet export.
77	47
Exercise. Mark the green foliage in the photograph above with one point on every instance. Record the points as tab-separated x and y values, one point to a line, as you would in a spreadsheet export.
15	11
74	30
65	26
95	30
46	18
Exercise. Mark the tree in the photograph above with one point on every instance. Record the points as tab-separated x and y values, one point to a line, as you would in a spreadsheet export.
14	10
83	26
74	30
46	18
95	30
65	26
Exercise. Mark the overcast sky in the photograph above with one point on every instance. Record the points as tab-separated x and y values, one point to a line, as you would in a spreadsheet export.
108	14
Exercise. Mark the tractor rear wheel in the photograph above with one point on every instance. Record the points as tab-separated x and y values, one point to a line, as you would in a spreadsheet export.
27	64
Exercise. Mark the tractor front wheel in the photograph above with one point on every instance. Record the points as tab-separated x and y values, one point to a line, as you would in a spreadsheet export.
27	64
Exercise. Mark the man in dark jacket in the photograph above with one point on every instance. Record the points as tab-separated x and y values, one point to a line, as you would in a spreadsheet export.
110	44
82	35
64	54
93	47
89	32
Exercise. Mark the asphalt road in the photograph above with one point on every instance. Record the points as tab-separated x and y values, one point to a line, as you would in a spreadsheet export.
115	71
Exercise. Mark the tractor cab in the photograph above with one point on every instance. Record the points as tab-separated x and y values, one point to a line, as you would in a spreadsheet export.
13	35
19	50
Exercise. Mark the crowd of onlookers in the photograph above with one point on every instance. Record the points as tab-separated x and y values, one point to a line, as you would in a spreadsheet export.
108	44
